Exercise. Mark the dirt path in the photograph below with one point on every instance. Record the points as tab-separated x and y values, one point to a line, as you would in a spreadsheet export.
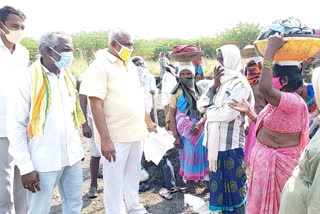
151	200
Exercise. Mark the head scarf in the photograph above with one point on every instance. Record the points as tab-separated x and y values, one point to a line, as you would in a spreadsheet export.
187	66
254	67
192	103
143	72
232	67
231	62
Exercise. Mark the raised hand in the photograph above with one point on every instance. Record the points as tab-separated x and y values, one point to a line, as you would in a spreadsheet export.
275	42
242	106
218	73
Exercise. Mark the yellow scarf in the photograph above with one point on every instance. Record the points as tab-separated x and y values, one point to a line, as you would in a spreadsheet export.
41	98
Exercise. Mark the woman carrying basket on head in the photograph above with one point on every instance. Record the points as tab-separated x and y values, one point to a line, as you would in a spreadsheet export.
281	130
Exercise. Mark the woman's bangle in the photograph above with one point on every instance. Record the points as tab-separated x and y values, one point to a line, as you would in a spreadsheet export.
252	116
267	64
213	89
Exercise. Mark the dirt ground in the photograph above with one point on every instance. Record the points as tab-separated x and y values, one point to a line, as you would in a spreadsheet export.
152	201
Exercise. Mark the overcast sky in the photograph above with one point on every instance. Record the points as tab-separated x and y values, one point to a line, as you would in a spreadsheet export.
149	19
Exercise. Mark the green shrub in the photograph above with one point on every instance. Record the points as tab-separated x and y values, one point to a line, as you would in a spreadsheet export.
86	44
32	46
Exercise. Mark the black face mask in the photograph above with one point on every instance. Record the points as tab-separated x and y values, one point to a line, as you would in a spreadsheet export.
188	82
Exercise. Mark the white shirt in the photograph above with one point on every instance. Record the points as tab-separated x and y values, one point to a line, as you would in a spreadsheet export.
168	83
60	145
11	65
148	83
232	135
108	79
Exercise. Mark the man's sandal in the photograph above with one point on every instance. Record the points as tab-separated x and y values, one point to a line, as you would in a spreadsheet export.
165	193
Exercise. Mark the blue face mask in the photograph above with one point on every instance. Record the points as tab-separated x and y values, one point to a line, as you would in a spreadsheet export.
65	60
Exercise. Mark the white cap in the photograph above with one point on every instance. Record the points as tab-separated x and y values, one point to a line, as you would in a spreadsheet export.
187	66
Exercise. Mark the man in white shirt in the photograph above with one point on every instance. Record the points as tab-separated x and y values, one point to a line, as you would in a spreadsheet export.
49	152
147	80
14	59
117	104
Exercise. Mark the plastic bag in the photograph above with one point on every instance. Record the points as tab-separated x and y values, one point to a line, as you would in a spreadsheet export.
144	175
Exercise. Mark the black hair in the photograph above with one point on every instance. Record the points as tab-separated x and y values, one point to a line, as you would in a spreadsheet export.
286	70
292	72
136	58
7	10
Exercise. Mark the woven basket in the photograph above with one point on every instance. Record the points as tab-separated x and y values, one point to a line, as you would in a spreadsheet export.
296	49
186	56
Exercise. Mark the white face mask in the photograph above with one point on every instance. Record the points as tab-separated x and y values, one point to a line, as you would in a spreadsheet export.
14	36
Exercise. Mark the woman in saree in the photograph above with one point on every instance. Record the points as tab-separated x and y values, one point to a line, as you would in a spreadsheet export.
224	133
281	130
186	123
301	194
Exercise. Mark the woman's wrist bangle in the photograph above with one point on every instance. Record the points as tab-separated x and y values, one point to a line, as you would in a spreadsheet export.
252	115
268	64
213	89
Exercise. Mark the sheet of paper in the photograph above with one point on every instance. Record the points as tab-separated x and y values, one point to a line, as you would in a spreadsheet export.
156	146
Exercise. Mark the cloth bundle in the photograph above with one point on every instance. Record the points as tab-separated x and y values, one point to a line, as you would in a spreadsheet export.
290	26
185	48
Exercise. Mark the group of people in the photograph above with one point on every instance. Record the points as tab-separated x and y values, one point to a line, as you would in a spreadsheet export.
41	112
270	95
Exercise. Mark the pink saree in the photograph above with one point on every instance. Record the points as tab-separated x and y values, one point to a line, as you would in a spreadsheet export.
271	168
250	142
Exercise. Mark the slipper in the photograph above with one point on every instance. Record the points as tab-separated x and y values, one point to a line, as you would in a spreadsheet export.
100	176
175	189
93	193
165	193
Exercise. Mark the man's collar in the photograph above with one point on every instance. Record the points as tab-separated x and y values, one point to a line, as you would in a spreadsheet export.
17	46
62	72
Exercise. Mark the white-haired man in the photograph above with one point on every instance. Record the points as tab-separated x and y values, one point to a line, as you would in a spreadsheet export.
45	116
117	104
